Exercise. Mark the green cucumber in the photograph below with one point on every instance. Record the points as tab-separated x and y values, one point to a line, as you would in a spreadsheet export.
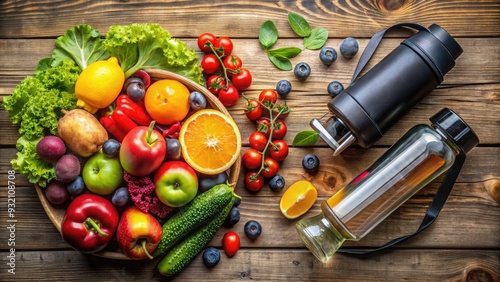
185	251
200	210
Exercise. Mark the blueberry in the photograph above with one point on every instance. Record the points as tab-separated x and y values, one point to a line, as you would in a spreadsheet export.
233	217
197	101
283	88
334	88
135	89
349	47
310	163
206	182
302	71
276	183
173	149
76	187
328	55
111	148
211	257
253	229
121	197
237	202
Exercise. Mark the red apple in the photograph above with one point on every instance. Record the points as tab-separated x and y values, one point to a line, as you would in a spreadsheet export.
138	233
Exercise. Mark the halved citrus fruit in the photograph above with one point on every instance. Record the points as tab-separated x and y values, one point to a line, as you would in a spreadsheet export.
210	141
298	199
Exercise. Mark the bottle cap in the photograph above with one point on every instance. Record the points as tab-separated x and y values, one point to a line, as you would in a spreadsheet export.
448	41
456	129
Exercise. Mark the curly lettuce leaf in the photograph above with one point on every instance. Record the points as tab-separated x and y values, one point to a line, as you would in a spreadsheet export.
143	46
82	44
30	164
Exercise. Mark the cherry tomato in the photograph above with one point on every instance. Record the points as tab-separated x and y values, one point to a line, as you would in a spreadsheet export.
278	150
251	159
253	110
210	64
271	168
231	243
279	129
232	64
225	44
263	125
229	96
202	41
257	140
215	83
268	95
242	80
253	181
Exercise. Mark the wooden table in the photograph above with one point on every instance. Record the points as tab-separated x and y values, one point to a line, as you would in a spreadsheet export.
464	242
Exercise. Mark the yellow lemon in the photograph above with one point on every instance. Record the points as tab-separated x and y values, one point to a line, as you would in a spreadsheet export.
298	199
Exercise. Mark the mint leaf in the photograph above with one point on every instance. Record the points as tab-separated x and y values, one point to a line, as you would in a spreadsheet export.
268	34
280	62
299	25
287	52
317	39
305	138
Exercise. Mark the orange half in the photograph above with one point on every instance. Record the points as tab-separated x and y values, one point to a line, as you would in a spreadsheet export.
298	199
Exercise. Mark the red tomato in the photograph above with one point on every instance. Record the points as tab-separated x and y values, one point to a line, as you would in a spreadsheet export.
232	64
253	181
268	95
263	125
231	243
203	39
224	46
242	80
279	129
229	96
251	159
210	64
271	168
278	150
215	83
257	140
253	109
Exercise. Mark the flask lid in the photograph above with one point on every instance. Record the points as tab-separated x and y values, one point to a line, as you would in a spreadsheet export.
456	129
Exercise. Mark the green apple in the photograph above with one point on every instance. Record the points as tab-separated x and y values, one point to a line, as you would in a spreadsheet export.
176	183
102	174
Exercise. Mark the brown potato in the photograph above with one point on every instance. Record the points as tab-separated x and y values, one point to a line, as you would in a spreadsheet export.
81	132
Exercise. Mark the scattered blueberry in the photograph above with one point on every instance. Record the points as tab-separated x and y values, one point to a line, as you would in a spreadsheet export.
206	182
76	187
211	257
310	163
349	47
197	101
334	88
302	71
135	88
328	55
173	149
276	183
233	217
111	148
237	202
121	197
253	229
283	88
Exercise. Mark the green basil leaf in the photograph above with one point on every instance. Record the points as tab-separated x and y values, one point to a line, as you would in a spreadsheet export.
305	138
287	52
280	62
268	34
299	25
317	39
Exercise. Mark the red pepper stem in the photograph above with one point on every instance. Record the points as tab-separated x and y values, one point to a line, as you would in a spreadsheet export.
92	225
149	139
143	244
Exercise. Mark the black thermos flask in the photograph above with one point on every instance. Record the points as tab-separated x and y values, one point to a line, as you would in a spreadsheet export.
366	109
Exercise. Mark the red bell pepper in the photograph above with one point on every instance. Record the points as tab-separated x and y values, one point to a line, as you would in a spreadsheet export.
90	223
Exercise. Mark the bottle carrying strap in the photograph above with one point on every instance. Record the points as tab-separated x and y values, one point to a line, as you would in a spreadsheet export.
432	212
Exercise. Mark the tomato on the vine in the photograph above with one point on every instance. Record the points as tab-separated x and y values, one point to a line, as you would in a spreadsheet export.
210	64
257	140
278	150
268	95
279	129
202	41
251	159
215	83
225	44
232	64
253	181
253	109
271	168
242	80
264	126
229	96
231	243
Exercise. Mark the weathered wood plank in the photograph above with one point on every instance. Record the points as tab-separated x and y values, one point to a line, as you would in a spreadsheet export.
183	18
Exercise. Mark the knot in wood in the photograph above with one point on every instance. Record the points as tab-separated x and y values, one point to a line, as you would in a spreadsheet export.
392	5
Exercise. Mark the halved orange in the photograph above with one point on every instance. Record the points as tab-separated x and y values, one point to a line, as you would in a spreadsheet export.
210	141
298	199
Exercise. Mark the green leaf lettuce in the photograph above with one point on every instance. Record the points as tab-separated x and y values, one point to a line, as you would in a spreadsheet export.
30	164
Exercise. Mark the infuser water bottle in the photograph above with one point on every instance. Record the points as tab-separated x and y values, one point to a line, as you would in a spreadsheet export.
420	156
366	109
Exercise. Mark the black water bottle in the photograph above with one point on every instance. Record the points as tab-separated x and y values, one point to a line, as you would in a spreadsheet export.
366	109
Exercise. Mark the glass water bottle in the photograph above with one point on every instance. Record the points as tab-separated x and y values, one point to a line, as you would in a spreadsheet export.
421	155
